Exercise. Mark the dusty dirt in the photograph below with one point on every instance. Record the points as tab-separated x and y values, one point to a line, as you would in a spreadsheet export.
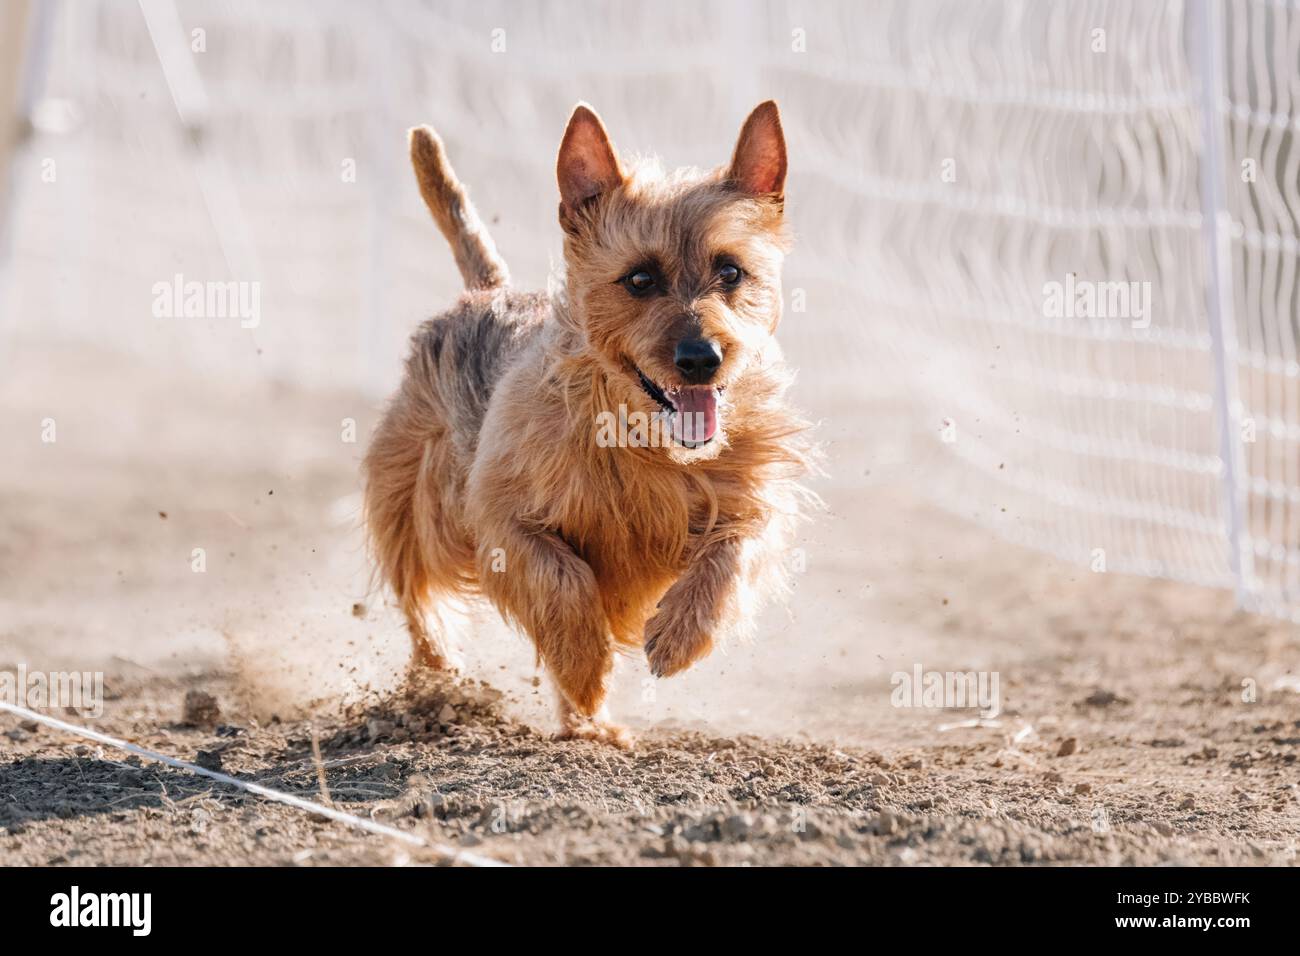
1124	734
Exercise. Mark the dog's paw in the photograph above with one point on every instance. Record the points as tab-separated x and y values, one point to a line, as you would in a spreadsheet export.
601	731
671	645
433	664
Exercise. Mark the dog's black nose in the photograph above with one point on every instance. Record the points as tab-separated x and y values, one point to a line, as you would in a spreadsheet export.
697	360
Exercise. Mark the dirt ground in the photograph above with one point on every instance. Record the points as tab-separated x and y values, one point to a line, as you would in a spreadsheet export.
1126	734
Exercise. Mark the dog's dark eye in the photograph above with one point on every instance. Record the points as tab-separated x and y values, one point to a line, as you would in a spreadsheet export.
730	274
639	282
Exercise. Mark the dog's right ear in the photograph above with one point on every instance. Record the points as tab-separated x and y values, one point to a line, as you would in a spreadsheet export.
588	165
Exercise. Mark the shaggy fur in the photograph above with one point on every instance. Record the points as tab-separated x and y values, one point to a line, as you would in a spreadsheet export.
487	474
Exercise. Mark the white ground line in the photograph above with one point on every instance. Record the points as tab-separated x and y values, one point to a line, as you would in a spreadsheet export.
453	856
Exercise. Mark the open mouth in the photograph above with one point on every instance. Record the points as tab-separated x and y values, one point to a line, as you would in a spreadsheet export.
692	410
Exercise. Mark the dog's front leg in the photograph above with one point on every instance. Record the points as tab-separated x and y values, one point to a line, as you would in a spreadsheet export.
695	608
536	580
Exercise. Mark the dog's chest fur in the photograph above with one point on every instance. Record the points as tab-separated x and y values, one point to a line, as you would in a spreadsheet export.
634	515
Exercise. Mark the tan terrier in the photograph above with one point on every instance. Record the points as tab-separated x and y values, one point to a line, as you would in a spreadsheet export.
612	466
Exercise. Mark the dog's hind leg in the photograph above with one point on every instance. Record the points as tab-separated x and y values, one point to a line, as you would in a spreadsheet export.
412	533
422	594
428	648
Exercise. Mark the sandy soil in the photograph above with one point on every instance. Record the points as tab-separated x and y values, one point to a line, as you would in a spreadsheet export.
1123	735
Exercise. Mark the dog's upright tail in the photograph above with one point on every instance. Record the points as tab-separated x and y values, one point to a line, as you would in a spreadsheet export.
476	255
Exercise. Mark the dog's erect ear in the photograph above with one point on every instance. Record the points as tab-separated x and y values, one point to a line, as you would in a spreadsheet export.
758	165
588	164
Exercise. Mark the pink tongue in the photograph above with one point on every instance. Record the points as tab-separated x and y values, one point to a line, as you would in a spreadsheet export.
696	420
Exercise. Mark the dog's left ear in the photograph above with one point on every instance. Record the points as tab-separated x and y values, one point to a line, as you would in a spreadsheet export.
758	165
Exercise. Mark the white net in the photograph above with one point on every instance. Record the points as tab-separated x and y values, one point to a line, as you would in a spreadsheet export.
1005	211
1016	155
1110	344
